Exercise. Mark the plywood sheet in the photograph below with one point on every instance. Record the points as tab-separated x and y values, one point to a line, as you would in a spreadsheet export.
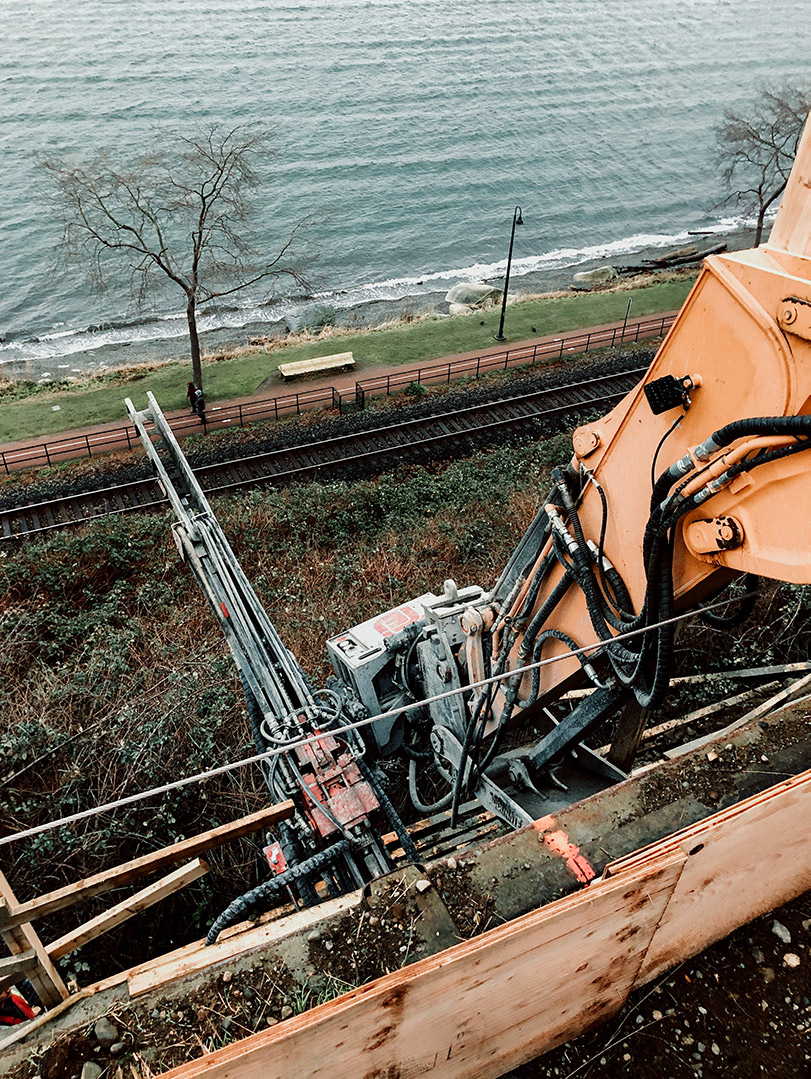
737	868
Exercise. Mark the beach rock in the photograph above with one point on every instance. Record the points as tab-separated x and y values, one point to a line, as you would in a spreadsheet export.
599	273
471	294
315	316
91	1070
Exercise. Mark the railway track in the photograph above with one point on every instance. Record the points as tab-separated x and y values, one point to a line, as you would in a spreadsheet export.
429	434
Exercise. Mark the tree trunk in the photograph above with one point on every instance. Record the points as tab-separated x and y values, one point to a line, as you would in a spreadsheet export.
759	228
194	343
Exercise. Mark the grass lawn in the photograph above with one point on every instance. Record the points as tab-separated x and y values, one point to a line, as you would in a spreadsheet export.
92	403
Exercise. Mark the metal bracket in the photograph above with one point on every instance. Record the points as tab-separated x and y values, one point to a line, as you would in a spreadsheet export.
570	730
490	795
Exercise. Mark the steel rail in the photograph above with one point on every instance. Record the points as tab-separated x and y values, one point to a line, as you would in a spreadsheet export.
308	460
110	439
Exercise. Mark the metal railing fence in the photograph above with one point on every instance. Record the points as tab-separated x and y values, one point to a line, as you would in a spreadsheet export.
326	397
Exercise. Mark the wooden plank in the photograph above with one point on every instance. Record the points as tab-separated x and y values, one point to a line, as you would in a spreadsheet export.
141	867
784	697
20	939
708	710
239	940
478	1009
490	1004
12	967
127	908
712	676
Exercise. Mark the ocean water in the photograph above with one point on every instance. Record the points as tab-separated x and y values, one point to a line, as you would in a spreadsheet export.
409	128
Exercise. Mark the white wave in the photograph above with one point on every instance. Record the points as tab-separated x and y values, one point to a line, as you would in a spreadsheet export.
439	280
171	325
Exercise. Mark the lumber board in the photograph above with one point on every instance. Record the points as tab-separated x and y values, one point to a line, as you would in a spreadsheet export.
479	1008
781	699
708	710
127	908
18	964
19	939
239	940
771	671
490	1004
670	725
15	965
120	875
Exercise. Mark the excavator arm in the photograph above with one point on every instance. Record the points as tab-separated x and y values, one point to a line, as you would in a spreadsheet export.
698	477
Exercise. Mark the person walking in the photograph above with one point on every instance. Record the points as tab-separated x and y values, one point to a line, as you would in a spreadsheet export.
200	405
191	392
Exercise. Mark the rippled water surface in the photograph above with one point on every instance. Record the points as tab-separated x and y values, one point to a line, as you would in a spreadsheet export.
410	127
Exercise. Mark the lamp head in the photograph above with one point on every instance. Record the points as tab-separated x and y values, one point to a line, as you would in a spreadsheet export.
519	219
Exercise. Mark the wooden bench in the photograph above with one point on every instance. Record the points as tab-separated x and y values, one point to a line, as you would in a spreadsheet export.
340	361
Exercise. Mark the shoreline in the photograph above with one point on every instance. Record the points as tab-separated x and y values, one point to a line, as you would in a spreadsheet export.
366	315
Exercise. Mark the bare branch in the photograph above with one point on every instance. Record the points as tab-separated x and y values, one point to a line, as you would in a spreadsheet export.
757	148
179	213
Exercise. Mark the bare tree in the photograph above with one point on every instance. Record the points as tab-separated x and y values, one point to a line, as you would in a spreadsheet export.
757	148
179	212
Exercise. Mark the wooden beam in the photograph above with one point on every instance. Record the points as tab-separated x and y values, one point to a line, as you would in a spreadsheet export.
141	867
127	908
700	713
15	965
749	672
784	697
20	939
627	735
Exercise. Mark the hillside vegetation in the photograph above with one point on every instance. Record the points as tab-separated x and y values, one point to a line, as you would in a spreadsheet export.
115	677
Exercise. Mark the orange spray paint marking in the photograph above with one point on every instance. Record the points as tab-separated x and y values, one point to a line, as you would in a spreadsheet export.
558	843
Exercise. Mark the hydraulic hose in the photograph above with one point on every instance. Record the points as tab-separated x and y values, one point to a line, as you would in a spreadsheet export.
400	830
573	646
294	855
471	733
798	426
259	899
417	802
747	605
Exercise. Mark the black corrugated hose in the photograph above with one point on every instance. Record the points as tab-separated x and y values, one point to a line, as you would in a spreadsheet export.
259	899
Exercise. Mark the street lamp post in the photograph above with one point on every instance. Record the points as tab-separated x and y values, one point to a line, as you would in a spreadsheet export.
627	313
517	220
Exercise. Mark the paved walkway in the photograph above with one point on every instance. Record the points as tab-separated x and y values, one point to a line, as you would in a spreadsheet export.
109	437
